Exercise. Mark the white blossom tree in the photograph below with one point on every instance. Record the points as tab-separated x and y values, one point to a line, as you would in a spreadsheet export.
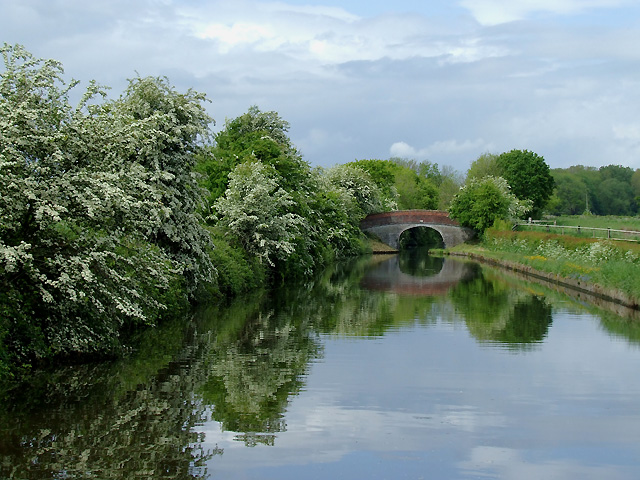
257	211
97	224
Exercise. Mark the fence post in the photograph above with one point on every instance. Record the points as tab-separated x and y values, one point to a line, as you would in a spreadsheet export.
608	232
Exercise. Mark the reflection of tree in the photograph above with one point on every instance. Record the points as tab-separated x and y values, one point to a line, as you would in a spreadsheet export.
528	322
238	365
414	262
495	312
623	327
92	433
252	377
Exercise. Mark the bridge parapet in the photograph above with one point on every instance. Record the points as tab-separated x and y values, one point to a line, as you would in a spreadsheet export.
407	217
388	226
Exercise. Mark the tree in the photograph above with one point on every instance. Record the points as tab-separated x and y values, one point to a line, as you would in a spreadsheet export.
383	173
177	128
615	191
483	201
401	183
96	225
528	176
366	196
255	135
451	181
615	197
635	185
484	166
256	210
570	196
414	192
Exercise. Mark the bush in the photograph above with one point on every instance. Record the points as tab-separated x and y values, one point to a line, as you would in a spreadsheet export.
482	202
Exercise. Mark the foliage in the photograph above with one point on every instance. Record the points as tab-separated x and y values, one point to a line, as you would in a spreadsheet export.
253	136
382	172
97	228
403	182
238	271
570	195
529	177
257	211
450	182
363	195
481	202
486	165
608	190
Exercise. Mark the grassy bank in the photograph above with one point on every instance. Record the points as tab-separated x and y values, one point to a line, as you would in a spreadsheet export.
605	268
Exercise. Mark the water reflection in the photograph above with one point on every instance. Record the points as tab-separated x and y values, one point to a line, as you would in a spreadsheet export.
492	310
414	272
94	422
241	376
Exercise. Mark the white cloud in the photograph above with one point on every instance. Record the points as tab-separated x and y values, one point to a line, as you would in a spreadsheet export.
440	148
327	35
494	12
352	84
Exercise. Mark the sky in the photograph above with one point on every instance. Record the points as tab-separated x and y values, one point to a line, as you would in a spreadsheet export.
437	80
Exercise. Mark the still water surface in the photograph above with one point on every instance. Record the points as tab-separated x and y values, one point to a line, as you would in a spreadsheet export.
402	367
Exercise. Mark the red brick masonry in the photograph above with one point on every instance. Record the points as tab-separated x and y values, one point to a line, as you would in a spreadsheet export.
408	216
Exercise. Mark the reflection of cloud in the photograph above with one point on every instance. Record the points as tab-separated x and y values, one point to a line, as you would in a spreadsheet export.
323	433
509	464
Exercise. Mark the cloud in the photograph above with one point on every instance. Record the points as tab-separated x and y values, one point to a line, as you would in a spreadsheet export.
495	12
440	148
431	79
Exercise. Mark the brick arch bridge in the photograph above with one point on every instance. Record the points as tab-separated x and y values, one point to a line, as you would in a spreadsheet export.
389	226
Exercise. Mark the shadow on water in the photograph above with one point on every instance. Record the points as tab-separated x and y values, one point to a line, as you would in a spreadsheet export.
240	366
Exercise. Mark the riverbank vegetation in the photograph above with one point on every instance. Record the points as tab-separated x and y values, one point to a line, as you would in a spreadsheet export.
612	267
118	213
502	190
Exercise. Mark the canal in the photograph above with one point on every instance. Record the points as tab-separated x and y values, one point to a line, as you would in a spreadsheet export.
391	367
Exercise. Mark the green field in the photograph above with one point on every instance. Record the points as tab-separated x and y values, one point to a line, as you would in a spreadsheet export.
608	221
591	226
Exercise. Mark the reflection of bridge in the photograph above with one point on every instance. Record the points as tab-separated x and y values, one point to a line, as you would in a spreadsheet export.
388	277
389	226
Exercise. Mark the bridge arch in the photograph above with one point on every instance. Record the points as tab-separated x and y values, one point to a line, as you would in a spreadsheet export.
422	235
388	226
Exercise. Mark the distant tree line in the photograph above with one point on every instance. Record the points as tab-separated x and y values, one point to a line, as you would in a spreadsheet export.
608	190
520	184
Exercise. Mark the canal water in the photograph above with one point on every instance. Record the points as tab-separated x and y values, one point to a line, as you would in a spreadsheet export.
394	367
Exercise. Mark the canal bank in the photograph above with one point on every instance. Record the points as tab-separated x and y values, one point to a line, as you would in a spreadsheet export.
578	283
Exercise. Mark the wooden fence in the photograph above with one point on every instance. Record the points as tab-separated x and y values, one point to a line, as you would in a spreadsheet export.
578	231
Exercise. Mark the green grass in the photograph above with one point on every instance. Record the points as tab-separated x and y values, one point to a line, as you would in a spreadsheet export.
591	226
597	221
